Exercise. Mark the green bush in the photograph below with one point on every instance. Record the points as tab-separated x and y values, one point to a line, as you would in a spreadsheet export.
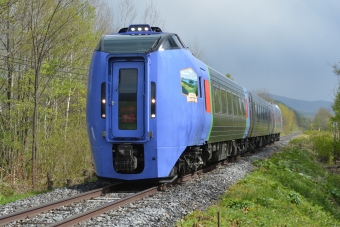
5	190
323	145
303	140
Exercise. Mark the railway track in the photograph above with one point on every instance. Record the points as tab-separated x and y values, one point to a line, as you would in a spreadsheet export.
27	217
105	208
28	213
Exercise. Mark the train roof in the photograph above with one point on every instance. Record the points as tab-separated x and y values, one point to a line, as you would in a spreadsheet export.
139	38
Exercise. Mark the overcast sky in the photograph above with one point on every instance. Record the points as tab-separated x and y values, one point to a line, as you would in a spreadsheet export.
285	47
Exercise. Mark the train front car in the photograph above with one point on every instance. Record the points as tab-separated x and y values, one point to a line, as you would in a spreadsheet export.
145	105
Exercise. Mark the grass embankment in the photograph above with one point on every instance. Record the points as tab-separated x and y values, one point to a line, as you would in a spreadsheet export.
7	199
289	189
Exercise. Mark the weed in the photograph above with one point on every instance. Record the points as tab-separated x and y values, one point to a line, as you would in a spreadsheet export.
336	194
294	197
289	189
266	202
241	204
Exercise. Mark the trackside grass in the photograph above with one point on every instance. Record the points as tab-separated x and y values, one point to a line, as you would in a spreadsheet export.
291	188
12	198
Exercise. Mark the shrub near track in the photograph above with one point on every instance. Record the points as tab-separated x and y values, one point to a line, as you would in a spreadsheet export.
289	189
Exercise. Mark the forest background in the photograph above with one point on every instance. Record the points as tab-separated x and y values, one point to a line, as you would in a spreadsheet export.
45	51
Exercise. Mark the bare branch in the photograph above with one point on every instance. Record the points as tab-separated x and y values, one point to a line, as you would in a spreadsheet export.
263	93
197	50
104	21
152	16
125	14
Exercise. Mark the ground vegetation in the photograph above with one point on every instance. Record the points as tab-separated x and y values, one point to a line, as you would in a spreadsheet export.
294	187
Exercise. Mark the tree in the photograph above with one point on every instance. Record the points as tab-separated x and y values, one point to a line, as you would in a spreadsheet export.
322	118
125	14
152	16
336	107
58	30
104	20
336	69
336	104
264	94
42	43
228	75
197	50
12	37
289	121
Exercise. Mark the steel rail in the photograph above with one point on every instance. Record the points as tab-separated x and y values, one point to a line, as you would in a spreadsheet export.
105	208
8	218
74	220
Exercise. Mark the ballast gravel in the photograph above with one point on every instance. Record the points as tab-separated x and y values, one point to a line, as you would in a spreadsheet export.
164	208
55	195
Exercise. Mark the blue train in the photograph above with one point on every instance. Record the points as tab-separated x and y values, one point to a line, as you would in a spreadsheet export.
154	111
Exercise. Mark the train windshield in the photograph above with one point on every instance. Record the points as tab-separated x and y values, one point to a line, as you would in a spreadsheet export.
127	43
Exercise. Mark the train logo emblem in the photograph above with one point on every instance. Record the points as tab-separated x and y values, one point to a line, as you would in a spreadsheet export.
189	84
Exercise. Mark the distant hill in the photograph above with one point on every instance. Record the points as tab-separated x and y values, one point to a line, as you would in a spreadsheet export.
307	108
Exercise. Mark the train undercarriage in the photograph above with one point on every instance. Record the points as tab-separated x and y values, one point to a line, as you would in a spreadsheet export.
129	159
197	157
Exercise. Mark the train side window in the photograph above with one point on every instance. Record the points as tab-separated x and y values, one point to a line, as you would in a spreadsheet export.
230	103
217	107
262	113
239	111
180	40
241	106
246	107
238	106
224	101
200	86
169	44
175	38
235	101
268	115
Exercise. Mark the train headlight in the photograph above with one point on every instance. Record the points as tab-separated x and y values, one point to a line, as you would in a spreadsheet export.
103	100
153	100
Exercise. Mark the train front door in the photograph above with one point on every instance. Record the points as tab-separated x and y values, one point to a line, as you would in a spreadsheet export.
126	120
